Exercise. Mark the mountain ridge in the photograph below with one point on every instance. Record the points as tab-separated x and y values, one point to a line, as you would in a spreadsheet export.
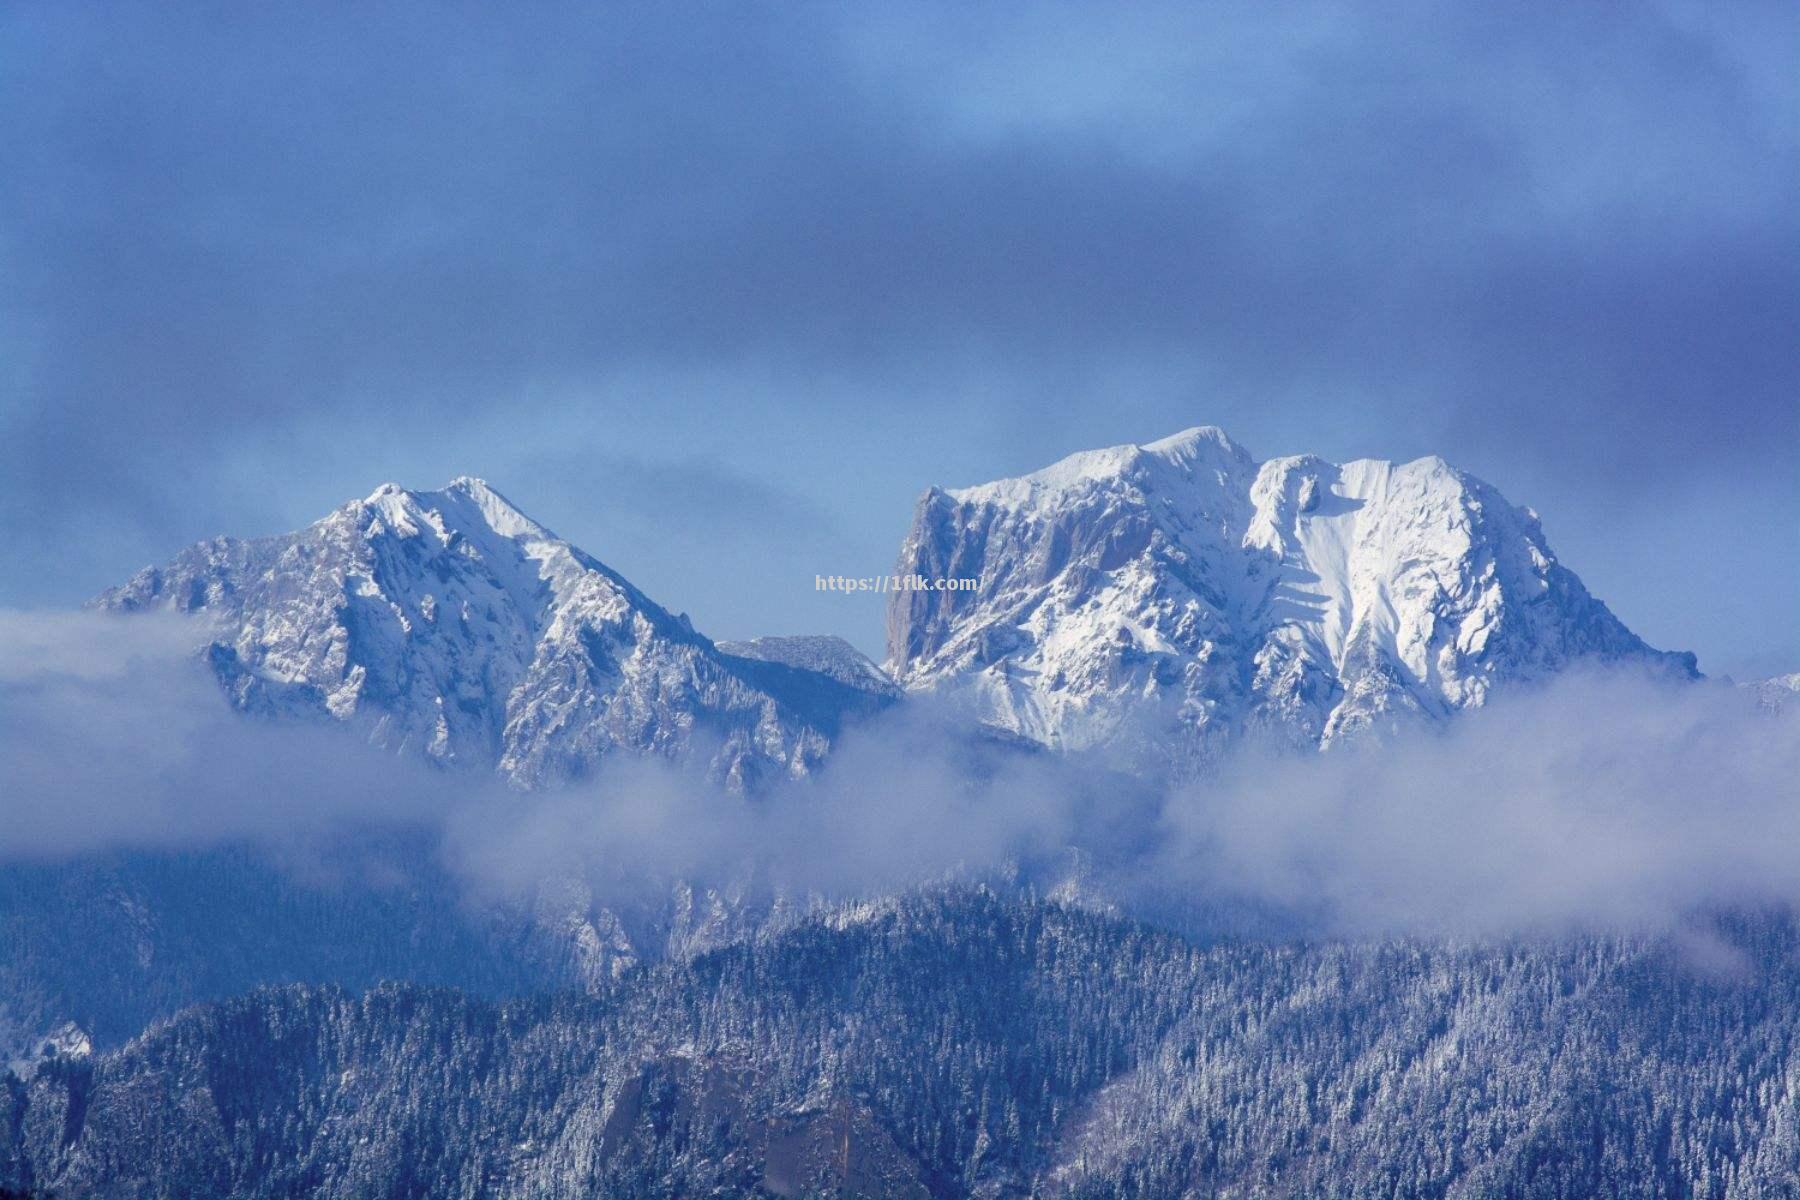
1153	603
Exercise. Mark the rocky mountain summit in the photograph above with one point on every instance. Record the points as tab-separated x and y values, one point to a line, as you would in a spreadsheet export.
1163	598
449	624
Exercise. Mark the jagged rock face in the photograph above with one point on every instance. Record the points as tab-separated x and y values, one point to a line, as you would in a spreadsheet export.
449	624
1166	597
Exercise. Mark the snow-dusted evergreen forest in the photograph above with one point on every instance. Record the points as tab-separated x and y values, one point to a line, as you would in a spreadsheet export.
961	1043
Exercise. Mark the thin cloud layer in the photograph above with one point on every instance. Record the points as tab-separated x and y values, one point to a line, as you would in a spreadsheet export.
113	735
1599	801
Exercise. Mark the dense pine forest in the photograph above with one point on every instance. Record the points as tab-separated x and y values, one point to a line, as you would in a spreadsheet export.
963	1042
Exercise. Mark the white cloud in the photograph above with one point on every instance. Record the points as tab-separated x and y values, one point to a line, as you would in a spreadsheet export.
1598	801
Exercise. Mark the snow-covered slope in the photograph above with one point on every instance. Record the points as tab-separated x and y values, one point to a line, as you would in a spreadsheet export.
1163	597
450	624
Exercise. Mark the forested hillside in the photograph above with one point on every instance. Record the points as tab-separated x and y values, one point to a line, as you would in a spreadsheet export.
960	1043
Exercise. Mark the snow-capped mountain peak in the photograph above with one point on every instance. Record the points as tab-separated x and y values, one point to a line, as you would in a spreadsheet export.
451	624
1176	593
465	500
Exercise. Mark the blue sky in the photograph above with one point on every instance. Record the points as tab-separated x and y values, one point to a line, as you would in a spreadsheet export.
716	290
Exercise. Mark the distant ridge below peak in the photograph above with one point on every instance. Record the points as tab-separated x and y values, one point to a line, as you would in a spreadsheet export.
822	654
